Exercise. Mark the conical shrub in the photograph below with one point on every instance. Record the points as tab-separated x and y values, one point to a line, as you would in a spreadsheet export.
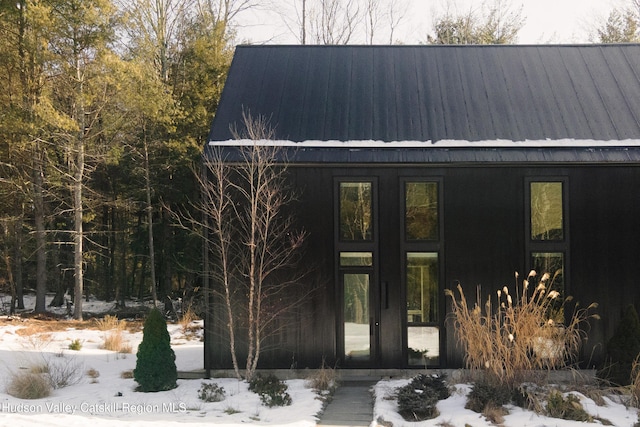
156	362
623	348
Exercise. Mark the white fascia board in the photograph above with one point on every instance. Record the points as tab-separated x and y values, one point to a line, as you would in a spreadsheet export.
498	143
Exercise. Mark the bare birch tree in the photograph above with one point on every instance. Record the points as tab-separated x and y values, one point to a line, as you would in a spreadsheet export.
341	21
253	240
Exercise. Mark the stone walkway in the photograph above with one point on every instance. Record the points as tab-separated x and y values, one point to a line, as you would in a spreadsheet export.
352	405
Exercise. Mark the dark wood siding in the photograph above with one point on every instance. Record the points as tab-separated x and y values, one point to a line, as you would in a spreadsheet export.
484	244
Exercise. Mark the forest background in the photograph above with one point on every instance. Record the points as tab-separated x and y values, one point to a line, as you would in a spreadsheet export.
105	107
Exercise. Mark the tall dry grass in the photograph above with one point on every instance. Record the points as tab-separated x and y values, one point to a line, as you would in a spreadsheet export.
188	316
635	383
113	339
109	323
518	334
28	385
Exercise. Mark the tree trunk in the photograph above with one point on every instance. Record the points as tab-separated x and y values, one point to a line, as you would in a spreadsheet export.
19	302
77	180
39	220
59	283
78	233
152	258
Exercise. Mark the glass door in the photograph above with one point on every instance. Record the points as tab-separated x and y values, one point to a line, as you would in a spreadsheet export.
356	244
357	323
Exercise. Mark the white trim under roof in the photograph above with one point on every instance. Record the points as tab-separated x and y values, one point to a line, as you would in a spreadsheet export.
498	143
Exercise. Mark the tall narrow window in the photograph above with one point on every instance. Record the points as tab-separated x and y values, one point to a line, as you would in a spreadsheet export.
357	337
422	287
421	278
421	211
547	212
423	337
356	218
552	263
548	236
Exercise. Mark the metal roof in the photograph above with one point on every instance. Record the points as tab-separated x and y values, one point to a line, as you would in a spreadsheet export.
435	93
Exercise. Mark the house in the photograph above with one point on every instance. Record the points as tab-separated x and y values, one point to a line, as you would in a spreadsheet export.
421	167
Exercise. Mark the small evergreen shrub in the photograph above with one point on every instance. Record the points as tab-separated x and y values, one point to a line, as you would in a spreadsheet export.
484	395
622	349
211	392
417	400
271	390
568	408
155	366
75	345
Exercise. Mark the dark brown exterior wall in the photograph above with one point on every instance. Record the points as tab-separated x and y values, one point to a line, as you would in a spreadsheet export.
484	216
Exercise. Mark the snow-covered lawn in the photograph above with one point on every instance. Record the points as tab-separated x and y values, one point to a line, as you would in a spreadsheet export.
453	413
100	396
109	398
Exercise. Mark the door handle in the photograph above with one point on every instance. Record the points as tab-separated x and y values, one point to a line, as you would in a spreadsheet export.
384	295
373	326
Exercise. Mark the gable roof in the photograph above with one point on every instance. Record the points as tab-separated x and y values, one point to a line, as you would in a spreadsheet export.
545	97
432	93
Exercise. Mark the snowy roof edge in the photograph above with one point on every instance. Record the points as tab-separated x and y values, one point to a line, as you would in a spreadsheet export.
499	143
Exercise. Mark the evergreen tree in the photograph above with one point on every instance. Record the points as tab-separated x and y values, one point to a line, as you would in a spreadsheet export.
156	367
623	348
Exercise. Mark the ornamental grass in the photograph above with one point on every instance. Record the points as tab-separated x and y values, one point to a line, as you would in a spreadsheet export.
511	336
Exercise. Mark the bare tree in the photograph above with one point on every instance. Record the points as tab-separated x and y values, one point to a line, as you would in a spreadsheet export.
341	21
252	239
382	14
335	21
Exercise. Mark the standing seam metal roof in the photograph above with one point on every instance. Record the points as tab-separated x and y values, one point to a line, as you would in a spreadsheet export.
433	93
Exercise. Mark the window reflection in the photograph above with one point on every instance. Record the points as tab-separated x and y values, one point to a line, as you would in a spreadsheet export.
356	316
356	259
424	345
546	211
551	263
421	210
422	307
422	287
355	211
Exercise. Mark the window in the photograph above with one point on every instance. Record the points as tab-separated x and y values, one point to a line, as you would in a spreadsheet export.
421	213
356	259
552	263
422	287
423	341
547	211
547	233
357	340
356	216
421	227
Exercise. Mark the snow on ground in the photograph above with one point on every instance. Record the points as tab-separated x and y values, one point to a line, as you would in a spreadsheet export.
453	413
110	399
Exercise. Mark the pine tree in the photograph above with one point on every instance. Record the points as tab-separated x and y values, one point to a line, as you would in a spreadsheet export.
156	367
623	348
